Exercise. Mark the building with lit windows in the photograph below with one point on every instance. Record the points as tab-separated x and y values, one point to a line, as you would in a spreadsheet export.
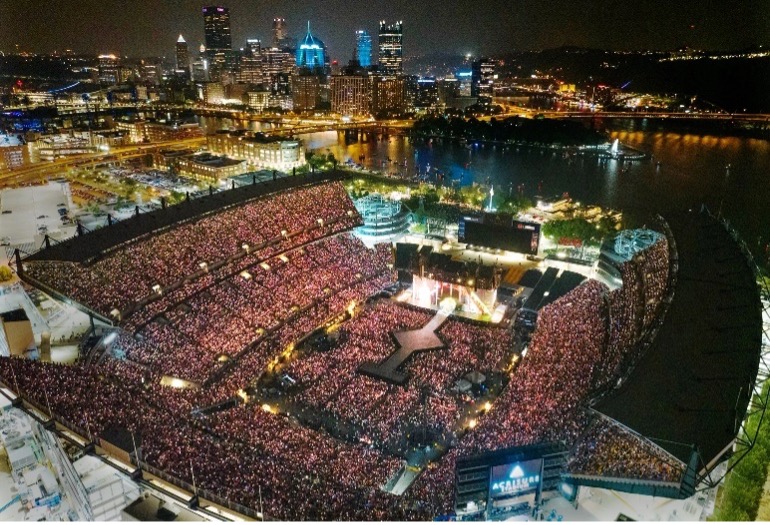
275	62
258	151
364	48
150	71
182	57
258	100
281	38
482	78
223	61
210	168
351	94
13	152
223	64
279	31
143	131
427	98
448	90
280	100
213	93
388	96
200	67
216	27
109	69
391	48
306	91
311	52
250	70
253	46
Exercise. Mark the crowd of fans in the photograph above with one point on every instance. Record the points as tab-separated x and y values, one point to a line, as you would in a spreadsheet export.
626	314
633	307
226	327
608	450
329	384
579	345
653	267
129	273
241	456
547	391
193	338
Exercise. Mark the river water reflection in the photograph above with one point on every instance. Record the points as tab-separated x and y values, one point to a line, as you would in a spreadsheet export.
693	169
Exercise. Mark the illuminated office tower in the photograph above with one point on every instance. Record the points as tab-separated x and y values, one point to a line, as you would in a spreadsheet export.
250	70
216	26
182	56
281	38
391	48
311	52
482	77
364	48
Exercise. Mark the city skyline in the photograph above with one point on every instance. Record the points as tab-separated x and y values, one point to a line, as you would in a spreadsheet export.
481	28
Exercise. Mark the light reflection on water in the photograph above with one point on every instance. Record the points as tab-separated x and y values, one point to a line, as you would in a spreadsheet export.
692	170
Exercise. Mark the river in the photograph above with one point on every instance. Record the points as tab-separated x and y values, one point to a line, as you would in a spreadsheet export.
692	170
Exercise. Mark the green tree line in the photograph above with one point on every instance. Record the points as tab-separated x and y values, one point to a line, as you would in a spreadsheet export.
513	129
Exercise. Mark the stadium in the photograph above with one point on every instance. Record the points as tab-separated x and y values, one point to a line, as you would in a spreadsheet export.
257	359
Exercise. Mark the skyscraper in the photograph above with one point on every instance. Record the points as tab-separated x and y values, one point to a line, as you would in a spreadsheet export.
275	64
482	77
279	32
311	51
109	69
391	48
254	46
216	26
182	56
364	48
200	67
251	63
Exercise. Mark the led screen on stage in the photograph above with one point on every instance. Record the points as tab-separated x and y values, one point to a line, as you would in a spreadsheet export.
513	479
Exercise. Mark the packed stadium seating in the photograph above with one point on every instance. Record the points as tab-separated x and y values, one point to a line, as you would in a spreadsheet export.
128	273
223	328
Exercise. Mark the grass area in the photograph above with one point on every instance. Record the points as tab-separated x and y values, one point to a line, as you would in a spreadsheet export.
763	513
740	496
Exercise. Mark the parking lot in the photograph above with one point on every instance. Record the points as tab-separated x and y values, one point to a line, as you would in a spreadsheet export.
31	211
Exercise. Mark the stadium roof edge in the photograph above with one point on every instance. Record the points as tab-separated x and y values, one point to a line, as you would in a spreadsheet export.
92	244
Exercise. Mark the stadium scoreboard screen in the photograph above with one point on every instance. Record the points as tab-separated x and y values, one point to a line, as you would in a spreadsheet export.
501	232
510	482
514	479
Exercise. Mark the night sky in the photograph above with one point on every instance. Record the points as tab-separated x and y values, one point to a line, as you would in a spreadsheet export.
150	27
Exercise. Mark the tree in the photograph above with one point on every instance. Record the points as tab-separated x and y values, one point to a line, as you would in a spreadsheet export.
5	274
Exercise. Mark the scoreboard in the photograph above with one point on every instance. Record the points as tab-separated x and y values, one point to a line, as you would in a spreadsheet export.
510	482
513	479
500	232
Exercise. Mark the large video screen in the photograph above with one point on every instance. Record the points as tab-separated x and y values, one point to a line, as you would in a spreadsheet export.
510	235
513	479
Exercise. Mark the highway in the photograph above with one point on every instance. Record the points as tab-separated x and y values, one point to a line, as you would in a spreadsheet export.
289	127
